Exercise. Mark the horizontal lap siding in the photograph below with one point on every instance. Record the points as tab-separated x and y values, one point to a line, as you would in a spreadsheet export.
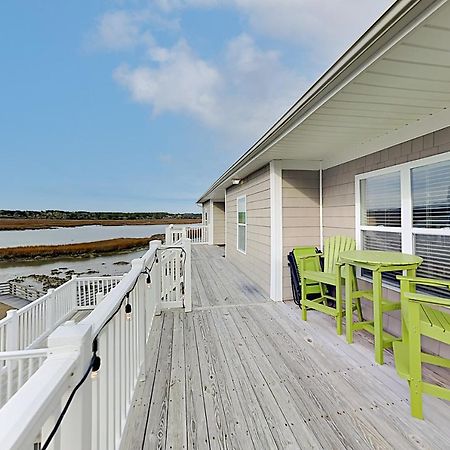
300	216
256	262
339	196
339	181
219	222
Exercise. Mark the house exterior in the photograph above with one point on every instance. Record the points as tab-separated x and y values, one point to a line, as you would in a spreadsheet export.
365	152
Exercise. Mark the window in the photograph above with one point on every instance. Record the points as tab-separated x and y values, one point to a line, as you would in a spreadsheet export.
242	224
407	208
205	218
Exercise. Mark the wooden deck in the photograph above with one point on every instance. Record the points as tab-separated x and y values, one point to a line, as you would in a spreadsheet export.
246	373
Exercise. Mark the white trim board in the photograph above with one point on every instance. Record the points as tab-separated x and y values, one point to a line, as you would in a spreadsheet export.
276	231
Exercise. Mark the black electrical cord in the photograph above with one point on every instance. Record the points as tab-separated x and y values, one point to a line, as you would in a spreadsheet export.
66	406
95	360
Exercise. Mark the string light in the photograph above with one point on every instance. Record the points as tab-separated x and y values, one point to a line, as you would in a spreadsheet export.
96	361
128	308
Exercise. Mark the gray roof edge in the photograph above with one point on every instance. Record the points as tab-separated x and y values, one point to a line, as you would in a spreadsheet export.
390	21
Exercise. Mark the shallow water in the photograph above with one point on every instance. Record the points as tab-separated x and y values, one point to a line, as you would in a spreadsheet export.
104	265
72	235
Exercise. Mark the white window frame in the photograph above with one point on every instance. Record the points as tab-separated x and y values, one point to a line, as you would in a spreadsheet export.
406	229
241	224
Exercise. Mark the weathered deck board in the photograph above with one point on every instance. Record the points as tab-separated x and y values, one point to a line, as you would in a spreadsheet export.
242	372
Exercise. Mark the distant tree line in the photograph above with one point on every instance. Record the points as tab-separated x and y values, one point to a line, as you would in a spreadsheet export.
88	215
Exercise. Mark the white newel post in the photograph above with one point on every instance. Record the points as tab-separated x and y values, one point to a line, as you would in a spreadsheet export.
187	276
51	311
76	428
74	292
156	277
168	235
183	233
12	330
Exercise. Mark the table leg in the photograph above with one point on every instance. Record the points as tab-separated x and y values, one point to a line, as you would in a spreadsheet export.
378	316
348	304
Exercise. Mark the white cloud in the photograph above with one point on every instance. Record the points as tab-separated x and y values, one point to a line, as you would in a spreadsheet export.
241	96
124	30
180	82
325	26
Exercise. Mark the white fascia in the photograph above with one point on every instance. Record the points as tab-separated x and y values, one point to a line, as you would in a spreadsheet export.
276	231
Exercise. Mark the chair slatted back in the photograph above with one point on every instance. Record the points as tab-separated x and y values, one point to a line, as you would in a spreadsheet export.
333	247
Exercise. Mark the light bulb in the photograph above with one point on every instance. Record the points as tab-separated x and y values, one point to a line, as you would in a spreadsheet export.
128	311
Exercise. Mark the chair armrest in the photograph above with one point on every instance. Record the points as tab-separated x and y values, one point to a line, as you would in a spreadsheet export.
425	281
308	256
427	299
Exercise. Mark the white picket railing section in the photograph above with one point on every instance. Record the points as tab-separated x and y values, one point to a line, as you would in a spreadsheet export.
198	234
19	290
89	288
97	414
16	368
29	326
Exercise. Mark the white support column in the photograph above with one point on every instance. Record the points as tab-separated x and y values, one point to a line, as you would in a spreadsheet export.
225	214
211	223
276	231
321	205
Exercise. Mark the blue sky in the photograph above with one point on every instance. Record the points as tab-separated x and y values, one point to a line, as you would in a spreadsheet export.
140	105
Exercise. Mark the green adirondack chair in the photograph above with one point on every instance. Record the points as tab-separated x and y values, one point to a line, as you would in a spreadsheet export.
422	315
311	273
311	262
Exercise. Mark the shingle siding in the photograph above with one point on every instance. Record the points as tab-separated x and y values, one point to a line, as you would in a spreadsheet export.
339	201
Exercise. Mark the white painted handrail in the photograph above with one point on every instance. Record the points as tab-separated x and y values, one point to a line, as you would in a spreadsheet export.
97	416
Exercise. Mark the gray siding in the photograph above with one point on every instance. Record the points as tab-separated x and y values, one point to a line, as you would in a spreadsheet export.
219	222
339	181
300	191
256	262
339	202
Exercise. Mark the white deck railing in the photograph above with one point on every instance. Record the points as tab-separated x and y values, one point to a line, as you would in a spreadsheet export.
61	403
29	326
19	290
198	234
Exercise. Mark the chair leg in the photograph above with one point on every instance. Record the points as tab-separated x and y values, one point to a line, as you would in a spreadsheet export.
415	361
348	304
303	301
339	302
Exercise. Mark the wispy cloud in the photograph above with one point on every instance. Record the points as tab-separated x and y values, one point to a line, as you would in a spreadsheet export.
125	29
241	94
324	26
244	88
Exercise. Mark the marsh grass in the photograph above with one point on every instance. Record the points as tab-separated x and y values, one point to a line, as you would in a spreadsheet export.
75	250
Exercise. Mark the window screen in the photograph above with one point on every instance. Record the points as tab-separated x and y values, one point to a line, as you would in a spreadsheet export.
381	200
430	187
242	224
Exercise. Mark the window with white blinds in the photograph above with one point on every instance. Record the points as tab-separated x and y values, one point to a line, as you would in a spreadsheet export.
430	187
242	224
407	208
381	201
